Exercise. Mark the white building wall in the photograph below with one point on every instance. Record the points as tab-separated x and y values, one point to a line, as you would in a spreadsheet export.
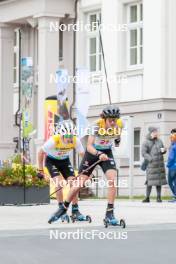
159	42
6	90
115	49
170	44
145	93
154	49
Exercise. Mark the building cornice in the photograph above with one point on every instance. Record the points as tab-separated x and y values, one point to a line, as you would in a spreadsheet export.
149	105
137	107
17	11
56	15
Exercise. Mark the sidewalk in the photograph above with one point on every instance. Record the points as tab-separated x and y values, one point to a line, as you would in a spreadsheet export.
135	213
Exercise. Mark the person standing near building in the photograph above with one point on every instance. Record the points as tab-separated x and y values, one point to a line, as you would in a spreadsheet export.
171	164
153	151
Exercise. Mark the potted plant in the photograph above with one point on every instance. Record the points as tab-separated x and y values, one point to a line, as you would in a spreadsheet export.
17	189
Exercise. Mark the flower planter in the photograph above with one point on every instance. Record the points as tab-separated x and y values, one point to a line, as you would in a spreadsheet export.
15	195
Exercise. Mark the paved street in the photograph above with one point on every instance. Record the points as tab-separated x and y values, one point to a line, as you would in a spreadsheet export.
142	246
25	236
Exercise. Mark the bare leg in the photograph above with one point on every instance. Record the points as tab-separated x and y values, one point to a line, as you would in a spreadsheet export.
58	182
111	177
77	185
75	198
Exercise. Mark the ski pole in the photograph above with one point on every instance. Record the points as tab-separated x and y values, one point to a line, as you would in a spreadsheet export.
101	43
83	171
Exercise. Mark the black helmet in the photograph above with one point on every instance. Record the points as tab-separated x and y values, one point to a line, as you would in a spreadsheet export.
111	112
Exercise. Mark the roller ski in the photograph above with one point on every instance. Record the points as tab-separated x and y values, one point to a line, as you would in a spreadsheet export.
65	217
77	216
110	219
61	213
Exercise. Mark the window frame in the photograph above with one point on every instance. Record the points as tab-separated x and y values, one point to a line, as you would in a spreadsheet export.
61	44
90	35
16	63
15	68
137	162
137	25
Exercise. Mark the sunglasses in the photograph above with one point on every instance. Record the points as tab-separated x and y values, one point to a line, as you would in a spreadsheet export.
68	136
112	119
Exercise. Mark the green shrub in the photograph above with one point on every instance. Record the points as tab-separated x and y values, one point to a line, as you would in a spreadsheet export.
14	176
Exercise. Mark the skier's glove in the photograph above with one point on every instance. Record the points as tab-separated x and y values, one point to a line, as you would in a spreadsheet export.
40	174
117	142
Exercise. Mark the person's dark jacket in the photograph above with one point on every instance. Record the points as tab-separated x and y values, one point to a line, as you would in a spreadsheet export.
151	151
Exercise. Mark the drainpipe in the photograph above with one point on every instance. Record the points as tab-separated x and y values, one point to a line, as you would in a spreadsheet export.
74	57
74	72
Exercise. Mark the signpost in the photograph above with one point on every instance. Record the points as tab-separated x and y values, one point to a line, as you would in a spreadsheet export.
26	106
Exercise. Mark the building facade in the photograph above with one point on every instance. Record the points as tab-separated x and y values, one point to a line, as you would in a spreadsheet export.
139	41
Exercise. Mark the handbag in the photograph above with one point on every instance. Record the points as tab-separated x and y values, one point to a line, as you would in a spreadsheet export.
144	165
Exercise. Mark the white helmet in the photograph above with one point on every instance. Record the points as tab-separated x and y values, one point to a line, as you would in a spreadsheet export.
66	127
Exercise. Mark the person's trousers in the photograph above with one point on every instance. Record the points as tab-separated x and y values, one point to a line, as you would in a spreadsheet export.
172	181
149	189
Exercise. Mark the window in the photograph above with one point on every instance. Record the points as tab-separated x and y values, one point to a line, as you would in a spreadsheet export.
137	145
94	46
135	34
15	59
60	45
15	70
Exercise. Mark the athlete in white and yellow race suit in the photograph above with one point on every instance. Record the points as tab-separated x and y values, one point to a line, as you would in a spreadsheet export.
57	161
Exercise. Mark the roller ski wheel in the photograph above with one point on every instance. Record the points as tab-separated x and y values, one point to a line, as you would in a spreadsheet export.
111	221
105	223
88	219
114	222
72	218
65	218
52	219
78	217
122	223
